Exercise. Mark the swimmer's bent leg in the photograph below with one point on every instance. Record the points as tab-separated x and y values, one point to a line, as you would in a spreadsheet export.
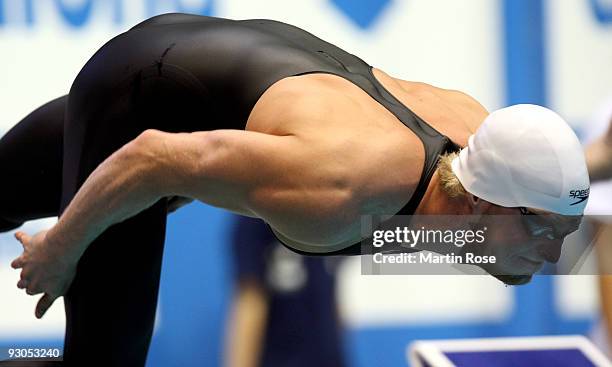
31	166
110	307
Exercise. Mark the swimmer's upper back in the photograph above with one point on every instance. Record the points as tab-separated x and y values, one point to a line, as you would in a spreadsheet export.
343	131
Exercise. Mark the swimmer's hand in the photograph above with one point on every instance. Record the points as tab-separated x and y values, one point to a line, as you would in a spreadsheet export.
45	268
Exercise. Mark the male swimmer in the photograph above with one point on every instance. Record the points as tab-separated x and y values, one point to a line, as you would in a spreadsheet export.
265	120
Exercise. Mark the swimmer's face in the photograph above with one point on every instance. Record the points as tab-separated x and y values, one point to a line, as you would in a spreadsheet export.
522	247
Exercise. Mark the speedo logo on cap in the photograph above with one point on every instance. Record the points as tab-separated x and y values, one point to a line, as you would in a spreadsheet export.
580	195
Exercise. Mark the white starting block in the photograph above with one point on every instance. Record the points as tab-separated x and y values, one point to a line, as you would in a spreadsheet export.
549	351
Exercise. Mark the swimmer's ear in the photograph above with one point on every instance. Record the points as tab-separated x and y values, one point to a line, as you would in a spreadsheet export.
477	205
474	200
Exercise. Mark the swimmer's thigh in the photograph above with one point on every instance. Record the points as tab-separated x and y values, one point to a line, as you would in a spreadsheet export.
111	305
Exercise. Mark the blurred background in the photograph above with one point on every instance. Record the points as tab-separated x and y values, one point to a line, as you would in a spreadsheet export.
556	53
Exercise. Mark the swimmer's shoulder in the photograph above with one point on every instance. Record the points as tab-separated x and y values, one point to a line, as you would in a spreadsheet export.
437	106
453	95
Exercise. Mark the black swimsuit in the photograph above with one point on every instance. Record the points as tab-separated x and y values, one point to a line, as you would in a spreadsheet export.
177	73
257	53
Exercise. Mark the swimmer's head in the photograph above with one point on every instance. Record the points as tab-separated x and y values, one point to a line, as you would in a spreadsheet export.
524	160
525	156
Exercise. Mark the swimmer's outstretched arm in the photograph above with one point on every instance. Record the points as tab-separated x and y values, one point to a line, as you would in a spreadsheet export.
222	168
231	169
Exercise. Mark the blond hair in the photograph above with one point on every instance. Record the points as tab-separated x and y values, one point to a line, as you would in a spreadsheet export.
448	180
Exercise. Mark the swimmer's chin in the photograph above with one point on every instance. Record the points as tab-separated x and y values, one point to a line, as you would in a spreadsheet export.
514	279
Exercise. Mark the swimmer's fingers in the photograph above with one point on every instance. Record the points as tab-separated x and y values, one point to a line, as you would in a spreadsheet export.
33	290
18	263
44	304
53	288
23	238
22	284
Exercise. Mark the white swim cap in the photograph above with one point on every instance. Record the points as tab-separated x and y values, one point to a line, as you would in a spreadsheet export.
525	155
